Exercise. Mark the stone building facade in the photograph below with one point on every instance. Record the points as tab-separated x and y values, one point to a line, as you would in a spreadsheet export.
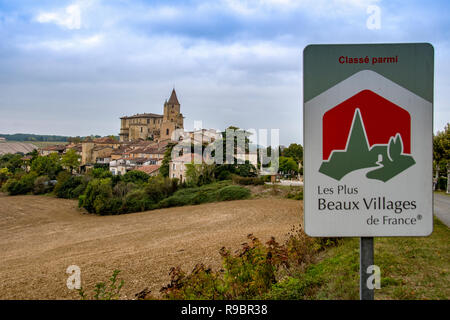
153	126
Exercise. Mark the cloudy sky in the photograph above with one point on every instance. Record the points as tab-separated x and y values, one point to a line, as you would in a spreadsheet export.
75	67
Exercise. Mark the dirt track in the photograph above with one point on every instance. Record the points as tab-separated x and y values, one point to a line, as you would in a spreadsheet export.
41	236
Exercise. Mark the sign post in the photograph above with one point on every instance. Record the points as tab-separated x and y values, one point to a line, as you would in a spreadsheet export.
365	261
368	125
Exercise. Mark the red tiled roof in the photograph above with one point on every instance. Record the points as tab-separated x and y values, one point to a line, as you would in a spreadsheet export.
105	140
143	115
54	148
149	169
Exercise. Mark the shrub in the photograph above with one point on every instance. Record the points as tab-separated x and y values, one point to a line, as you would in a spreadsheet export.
96	196
233	193
4	175
47	165
442	183
42	185
135	176
121	189
174	201
248	273
137	200
295	195
100	173
252	272
71	187
224	175
159	188
62	177
247	180
23	185
103	291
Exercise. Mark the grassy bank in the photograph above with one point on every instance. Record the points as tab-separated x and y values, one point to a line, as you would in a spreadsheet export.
411	268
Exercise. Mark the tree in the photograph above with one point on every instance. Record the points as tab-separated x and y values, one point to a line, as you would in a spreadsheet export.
164	169
47	166
199	174
135	176
71	160
441	149
287	165
294	151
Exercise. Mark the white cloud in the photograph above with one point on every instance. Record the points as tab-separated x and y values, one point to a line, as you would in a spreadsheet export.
252	7
78	43
69	17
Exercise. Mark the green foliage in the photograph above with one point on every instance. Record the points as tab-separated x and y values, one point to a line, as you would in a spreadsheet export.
219	191
298	195
294	151
441	149
121	189
100	173
159	188
12	162
255	271
96	196
233	193
247	180
5	174
164	169
442	183
42	185
23	185
247	274
135	201
226	171
71	160
103	291
70	187
135	176
199	174
287	165
47	166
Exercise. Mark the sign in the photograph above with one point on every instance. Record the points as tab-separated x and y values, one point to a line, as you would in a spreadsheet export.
368	125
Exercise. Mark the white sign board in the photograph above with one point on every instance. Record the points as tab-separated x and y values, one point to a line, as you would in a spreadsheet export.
368	140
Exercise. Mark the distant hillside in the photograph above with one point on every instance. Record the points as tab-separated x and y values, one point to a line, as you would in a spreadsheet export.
16	147
33	137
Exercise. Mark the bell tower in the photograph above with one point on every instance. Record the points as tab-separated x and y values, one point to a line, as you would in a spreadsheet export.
172	118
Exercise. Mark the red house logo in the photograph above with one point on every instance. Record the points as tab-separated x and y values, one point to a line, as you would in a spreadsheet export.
366	131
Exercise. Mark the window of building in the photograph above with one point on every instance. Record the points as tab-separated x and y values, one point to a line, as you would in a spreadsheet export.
167	132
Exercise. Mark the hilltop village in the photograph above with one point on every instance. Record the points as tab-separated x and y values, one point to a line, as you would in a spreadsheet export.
143	140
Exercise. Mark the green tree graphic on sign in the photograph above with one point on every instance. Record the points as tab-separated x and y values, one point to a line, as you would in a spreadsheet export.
388	160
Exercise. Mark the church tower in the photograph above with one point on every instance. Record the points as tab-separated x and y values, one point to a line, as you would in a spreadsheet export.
172	118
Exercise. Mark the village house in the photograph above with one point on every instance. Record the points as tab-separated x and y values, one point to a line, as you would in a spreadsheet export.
78	148
59	149
177	166
100	148
152	170
123	165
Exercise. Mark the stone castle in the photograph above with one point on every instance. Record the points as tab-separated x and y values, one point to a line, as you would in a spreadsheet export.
151	126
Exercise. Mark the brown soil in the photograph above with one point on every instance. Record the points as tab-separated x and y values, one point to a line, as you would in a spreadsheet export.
41	236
